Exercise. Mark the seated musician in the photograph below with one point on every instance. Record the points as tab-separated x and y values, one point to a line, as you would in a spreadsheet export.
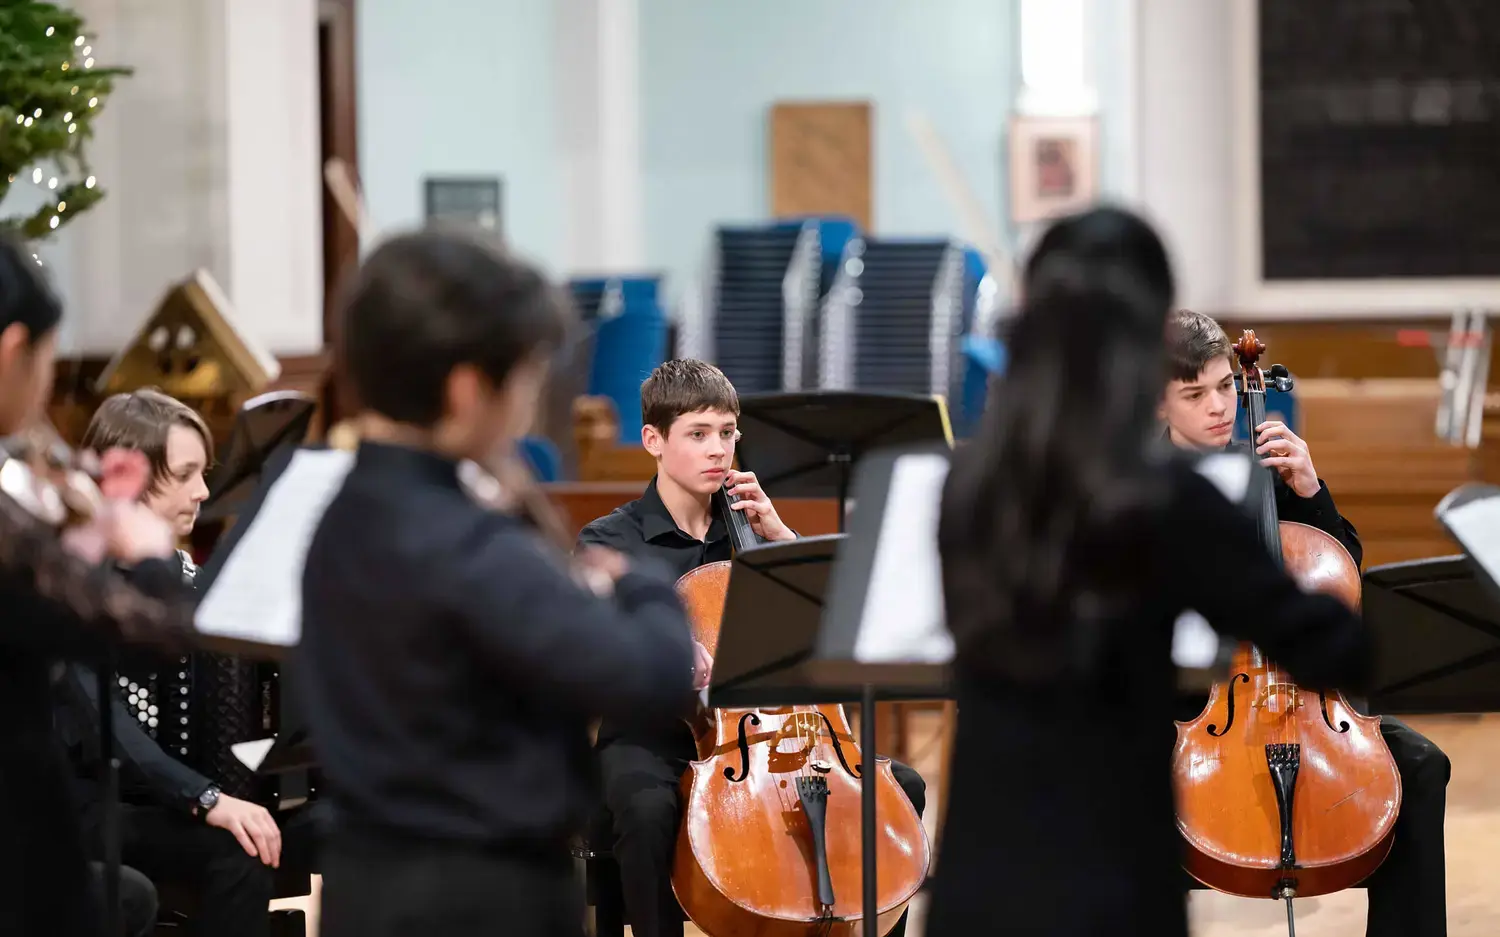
689	411
175	824
1406	894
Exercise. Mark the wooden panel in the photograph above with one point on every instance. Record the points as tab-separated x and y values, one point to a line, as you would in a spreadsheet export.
74	399
1353	348
338	137
1388	491
821	160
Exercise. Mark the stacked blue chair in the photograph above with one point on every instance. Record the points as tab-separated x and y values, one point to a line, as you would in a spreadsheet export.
764	297
630	341
982	354
894	318
588	296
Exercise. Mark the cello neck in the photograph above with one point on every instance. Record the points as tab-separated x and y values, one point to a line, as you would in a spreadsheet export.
1253	396
741	535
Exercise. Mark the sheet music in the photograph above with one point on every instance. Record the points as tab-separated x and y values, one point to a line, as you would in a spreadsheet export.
1477	526
257	595
903	615
252	754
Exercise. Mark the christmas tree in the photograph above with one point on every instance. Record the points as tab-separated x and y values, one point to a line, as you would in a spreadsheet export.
50	91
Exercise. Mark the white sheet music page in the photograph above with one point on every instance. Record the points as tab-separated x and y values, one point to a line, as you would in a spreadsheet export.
903	615
257	595
1477	526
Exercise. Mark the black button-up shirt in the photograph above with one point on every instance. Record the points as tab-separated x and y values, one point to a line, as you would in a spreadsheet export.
645	528
450	665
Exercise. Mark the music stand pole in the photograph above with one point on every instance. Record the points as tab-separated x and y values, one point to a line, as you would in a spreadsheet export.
110	821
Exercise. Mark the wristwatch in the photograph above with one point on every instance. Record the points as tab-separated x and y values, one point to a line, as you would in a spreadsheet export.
208	800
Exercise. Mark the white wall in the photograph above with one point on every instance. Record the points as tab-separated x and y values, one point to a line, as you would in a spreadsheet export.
711	71
462	88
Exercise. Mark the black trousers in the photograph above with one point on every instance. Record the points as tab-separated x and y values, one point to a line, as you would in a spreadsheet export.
1407	894
233	888
137	899
376	889
640	781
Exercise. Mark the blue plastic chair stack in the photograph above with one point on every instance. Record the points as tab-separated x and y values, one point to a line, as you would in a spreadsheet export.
751	340
588	296
631	340
894	318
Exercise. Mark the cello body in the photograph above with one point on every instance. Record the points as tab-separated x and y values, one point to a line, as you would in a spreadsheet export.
769	844
1285	792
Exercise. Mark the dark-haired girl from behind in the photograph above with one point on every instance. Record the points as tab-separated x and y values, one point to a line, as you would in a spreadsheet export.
1071	540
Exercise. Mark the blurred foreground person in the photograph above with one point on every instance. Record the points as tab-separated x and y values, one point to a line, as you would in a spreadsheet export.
1071	540
451	665
58	605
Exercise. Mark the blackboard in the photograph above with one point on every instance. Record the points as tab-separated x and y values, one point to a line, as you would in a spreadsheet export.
1379	138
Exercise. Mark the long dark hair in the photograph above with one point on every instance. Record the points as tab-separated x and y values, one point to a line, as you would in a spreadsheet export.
1035	531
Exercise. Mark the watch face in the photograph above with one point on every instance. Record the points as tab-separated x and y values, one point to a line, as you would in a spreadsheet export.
209	798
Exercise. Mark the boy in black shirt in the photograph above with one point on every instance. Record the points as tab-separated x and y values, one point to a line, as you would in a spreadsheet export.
689	412
1407	893
451	665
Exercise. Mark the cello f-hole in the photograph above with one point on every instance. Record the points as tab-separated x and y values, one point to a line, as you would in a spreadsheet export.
1214	730
1343	725
838	748
744	744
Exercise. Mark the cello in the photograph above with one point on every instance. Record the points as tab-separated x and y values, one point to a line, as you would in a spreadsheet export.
1284	792
769	844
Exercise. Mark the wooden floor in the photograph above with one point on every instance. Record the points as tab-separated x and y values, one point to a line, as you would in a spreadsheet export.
1473	844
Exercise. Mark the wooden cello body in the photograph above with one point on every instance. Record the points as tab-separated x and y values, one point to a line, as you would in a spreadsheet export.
1284	792
769	844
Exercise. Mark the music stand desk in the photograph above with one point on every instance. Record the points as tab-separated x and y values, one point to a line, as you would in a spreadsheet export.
264	425
1436	624
768	656
805	444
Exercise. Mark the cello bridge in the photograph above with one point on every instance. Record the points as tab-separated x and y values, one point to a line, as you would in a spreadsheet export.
1274	691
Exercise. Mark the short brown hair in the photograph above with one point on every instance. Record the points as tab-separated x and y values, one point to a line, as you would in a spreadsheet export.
685	385
1193	340
140	420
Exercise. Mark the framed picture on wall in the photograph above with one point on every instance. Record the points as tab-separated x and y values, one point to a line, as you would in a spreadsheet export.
468	200
1053	166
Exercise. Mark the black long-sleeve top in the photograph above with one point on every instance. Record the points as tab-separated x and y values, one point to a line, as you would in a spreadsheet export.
450	666
1052	787
148	772
55	606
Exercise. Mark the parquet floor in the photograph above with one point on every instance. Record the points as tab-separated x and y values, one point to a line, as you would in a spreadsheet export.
1473	845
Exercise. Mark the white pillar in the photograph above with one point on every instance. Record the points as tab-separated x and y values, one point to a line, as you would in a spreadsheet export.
1057	73
158	153
1186	137
208	155
597	76
274	175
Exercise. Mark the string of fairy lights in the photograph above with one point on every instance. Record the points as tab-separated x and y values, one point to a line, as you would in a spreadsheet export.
26	120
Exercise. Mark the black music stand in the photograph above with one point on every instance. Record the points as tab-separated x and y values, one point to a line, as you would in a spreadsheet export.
1437	621
263	426
805	444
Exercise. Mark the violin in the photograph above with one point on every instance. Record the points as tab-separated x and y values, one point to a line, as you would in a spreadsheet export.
770	836
1284	792
62	487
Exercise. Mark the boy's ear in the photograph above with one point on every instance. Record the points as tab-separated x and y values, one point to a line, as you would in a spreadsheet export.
652	440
